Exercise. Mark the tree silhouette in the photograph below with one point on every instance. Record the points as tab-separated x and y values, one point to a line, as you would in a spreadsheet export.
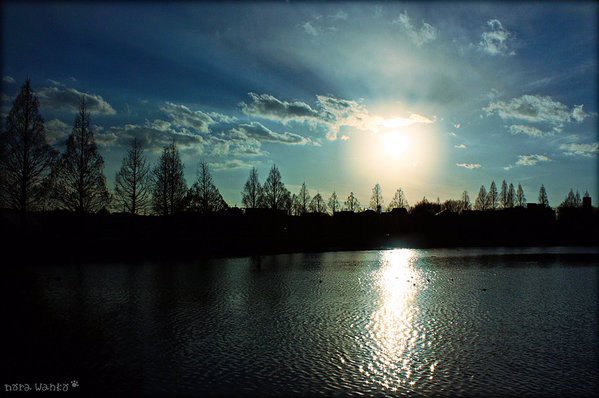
452	205
520	198
131	188
399	201
577	199
352	203
511	196
492	197
203	196
570	200
251	197
425	208
26	158
334	203
168	183
317	204
275	193
80	183
503	195
303	199
376	200
481	199
465	201
543	196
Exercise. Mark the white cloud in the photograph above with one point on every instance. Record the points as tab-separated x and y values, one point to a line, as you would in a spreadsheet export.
262	133
8	79
69	99
461	146
57	131
182	116
576	149
527	130
269	107
531	160
536	109
339	15
425	34
469	166
494	41
231	165
310	29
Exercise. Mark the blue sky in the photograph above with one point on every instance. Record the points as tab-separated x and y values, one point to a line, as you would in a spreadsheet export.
434	98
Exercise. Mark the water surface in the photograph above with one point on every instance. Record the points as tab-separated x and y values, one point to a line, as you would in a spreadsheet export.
465	322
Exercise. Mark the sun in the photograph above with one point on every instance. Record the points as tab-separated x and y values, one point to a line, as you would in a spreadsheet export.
395	144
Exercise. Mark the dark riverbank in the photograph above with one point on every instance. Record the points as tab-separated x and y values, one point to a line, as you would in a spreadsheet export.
63	235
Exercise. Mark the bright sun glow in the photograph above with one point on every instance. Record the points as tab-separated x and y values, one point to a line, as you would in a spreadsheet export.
395	144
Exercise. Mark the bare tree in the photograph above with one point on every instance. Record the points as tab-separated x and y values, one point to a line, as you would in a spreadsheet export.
543	196
492	197
503	195
80	183
168	183
376	200
303	199
481	199
251	197
520	198
317	204
399	201
203	196
26	158
577	199
131	188
465	201
334	203
452	205
352	203
275	193
511	196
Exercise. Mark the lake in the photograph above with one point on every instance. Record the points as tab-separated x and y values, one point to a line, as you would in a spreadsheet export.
459	322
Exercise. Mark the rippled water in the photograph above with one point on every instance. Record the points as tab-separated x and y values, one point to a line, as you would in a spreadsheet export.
393	322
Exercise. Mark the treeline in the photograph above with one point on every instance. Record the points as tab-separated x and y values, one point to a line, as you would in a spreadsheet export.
34	176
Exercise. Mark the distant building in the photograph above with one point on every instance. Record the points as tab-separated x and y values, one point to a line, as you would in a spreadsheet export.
586	202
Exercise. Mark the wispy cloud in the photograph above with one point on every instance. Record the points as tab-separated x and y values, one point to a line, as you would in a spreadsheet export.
425	34
8	79
469	166
231	165
68	99
576	149
536	109
269	107
516	129
262	133
494	41
531	160
460	146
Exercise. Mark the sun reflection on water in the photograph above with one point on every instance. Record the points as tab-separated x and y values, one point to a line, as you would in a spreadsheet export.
396	338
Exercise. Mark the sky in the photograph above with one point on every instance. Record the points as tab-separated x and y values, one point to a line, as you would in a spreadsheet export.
435	98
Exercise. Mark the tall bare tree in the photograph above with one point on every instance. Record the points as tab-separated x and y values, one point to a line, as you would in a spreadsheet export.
503	195
492	201
334	203
303	198
465	201
317	204
251	197
376	200
543	196
481	199
352	203
80	182
204	196
399	201
168	182
511	197
26	158
520	197
131	187
275	193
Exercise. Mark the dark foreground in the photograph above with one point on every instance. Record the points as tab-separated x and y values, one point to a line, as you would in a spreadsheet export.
63	235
